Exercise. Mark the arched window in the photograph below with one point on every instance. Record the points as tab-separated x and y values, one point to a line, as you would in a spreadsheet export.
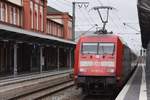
50	27
11	15
6	12
31	14
14	16
47	29
3	12
18	17
0	10
40	22
35	22
37	17
31	18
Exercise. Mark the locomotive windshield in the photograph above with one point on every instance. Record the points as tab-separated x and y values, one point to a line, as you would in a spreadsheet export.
89	48
106	48
98	48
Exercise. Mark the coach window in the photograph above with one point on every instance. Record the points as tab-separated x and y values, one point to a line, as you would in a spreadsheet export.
106	48
89	48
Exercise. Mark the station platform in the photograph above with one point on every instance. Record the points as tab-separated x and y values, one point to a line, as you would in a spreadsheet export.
138	86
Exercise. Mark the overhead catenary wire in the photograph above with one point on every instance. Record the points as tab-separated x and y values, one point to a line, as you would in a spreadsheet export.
101	4
92	19
63	1
86	31
79	24
116	25
83	25
69	7
125	24
68	1
118	17
111	19
121	17
64	4
79	28
69	4
84	13
87	18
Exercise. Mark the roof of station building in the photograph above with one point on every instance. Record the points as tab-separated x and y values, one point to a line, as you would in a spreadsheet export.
52	10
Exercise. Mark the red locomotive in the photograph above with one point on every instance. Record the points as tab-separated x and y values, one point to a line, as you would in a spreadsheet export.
102	63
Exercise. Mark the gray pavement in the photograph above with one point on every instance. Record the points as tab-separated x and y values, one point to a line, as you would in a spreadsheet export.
138	86
134	91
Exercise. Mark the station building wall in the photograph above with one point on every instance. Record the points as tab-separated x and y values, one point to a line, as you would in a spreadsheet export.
21	57
32	15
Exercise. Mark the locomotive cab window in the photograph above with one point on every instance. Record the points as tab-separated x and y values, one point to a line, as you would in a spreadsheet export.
106	48
89	48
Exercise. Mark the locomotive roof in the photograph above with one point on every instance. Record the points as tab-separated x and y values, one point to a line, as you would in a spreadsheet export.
107	35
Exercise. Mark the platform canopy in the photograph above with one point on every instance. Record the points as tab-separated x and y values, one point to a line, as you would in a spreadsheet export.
144	20
18	34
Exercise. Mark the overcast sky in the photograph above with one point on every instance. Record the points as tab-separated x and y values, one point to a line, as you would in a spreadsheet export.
125	12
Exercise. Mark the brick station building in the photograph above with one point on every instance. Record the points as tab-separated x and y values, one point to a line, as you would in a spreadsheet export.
34	38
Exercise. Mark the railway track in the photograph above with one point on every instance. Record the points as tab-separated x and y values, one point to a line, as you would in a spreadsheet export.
72	93
34	87
37	95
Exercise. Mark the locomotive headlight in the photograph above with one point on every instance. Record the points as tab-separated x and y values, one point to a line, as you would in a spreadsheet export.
108	63
82	70
86	63
111	70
